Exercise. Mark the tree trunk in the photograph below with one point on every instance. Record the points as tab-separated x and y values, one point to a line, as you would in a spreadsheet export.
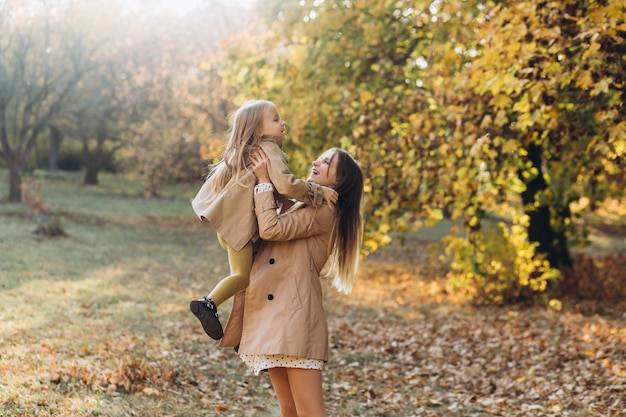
93	160
16	164
15	182
91	163
55	145
551	243
150	185
91	172
560	242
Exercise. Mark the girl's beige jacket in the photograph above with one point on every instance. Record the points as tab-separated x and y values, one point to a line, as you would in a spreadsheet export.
281	312
231	210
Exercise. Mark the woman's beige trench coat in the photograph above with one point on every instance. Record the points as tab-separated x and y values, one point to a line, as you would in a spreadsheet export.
281	312
231	211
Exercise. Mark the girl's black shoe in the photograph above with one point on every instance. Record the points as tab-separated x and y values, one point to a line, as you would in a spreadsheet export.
206	311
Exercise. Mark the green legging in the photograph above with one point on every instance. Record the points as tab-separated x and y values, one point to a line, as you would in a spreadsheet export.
239	278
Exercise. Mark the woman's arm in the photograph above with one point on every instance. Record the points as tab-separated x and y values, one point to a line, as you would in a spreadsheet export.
299	223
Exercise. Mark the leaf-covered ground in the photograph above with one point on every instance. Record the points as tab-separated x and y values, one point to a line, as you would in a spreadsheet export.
438	359
97	324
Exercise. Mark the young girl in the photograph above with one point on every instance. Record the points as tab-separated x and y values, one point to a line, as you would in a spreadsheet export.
226	199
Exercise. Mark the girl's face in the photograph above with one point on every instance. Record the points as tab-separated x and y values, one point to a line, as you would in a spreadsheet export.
324	170
272	124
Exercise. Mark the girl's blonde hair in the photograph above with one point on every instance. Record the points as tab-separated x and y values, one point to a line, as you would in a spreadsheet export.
244	135
347	233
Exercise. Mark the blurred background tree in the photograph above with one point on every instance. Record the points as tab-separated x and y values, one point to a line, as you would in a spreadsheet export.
42	60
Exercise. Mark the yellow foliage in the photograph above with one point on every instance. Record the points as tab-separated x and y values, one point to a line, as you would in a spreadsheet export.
555	304
592	51
366	96
617	136
503	277
501	118
501	101
513	49
601	86
524	121
522	105
584	80
510	146
434	216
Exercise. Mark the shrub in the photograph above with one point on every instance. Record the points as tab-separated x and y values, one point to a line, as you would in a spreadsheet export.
70	158
497	265
596	277
48	222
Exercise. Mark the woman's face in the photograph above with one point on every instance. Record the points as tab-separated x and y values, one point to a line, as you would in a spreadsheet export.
324	170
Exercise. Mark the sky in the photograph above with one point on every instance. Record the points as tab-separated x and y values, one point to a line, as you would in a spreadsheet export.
181	7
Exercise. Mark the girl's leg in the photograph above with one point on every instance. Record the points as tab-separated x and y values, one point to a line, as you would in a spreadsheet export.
283	392
206	309
239	278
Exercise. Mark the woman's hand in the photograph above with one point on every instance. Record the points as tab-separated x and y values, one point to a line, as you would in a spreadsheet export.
258	163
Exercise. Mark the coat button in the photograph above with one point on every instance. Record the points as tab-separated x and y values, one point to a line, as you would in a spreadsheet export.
272	261
270	297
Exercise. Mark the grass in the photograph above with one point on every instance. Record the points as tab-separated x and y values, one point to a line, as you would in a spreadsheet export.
117	287
97	324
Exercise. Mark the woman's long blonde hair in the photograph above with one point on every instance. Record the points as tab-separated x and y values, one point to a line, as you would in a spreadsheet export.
246	123
347	234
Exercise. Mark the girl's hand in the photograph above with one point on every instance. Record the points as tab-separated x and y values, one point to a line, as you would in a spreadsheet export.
330	196
258	163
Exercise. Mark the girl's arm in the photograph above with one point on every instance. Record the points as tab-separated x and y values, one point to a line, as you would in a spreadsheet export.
286	184
298	223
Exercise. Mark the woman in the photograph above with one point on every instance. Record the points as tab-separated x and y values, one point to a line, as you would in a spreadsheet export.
279	321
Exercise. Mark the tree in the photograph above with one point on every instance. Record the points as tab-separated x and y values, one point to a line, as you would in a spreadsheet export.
180	104
96	115
355	75
41	62
544	94
476	109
